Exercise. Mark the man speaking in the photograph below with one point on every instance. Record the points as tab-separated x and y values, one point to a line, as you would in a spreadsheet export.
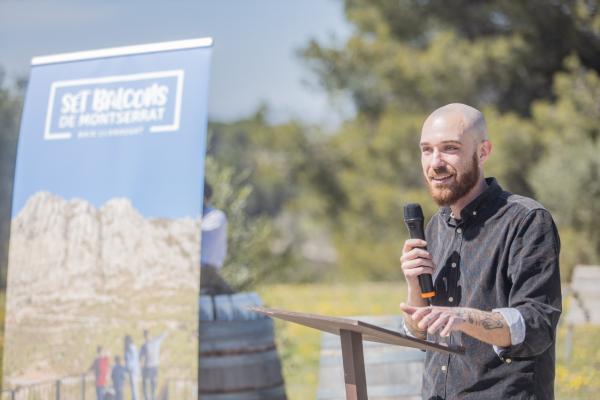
494	260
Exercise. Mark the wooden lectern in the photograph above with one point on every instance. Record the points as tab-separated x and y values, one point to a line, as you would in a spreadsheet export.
352	332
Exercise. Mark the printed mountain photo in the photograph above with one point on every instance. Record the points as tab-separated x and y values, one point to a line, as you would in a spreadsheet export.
83	277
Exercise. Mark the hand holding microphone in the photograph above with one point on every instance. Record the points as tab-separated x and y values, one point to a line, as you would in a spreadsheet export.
417	264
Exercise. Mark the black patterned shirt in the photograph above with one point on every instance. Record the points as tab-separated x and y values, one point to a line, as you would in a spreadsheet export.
502	253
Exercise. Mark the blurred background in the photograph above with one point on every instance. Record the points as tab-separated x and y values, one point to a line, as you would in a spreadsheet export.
315	114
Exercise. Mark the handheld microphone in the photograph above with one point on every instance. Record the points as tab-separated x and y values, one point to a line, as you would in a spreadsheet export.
413	218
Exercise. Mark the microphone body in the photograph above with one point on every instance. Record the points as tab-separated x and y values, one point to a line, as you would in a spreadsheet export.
413	218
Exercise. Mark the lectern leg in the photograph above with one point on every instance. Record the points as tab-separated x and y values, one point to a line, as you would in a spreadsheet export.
354	365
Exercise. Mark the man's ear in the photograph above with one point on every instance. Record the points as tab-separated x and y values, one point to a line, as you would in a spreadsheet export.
485	148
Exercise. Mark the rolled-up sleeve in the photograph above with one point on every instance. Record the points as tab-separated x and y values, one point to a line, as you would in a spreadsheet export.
534	273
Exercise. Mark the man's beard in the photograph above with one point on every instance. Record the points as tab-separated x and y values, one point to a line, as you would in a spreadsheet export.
460	185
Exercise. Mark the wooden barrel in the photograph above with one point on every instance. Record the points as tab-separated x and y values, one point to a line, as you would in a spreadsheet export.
238	357
392	372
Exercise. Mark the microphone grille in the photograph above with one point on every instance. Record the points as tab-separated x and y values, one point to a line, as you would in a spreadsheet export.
413	211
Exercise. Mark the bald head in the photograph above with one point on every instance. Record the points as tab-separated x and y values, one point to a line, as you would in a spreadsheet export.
454	146
459	118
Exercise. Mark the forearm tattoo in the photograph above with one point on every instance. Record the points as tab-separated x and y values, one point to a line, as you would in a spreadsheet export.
480	318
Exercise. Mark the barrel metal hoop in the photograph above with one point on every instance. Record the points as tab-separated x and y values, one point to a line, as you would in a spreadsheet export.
225	391
247	350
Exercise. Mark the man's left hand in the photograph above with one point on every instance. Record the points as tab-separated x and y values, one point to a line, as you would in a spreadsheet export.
489	327
437	319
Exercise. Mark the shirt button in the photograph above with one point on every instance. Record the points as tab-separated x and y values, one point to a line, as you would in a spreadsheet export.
508	360
453	265
444	368
474	212
459	231
450	299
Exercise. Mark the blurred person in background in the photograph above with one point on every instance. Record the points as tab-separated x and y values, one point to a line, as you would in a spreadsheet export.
213	247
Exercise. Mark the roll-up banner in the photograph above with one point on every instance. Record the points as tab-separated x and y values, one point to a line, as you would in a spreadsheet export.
103	279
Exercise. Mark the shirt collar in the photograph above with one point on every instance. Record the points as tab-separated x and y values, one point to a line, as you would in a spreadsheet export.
472	209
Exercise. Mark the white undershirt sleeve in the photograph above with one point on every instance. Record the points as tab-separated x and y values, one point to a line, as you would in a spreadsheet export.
516	324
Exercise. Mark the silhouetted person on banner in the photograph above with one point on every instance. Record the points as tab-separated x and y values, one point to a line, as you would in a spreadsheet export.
214	247
132	364
150	358
100	368
118	378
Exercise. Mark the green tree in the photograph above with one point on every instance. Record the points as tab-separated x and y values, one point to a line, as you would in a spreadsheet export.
289	170
10	114
252	255
420	54
270	155
567	177
407	58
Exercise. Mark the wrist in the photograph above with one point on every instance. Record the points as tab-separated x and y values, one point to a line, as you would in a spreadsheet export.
413	287
415	299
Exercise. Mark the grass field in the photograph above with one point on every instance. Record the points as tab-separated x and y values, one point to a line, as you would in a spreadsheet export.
576	379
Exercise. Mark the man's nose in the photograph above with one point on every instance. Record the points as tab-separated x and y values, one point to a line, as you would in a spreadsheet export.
437	160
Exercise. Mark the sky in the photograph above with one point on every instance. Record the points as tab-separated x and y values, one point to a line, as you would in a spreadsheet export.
254	57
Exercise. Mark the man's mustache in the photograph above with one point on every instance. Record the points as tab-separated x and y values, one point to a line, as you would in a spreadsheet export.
440	171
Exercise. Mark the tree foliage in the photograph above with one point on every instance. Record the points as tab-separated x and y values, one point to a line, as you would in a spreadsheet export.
417	54
532	67
567	177
255	169
251	257
330	204
10	114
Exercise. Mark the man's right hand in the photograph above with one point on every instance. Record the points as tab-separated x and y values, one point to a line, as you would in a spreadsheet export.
415	261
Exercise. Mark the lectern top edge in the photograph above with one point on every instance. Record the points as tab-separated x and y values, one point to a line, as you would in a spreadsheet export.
368	331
